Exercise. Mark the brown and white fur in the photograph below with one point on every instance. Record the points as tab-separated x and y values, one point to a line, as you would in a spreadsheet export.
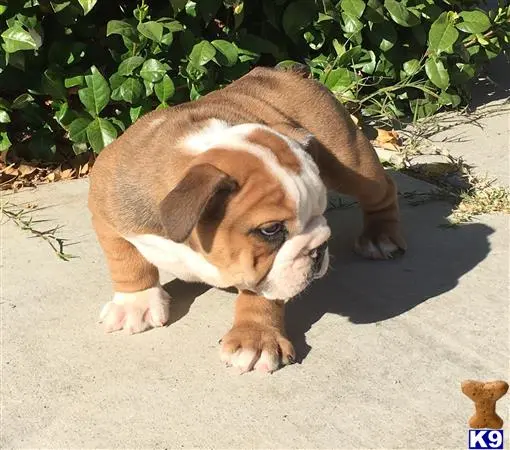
199	189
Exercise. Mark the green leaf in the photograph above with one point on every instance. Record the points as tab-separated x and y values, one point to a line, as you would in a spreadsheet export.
385	67
339	48
100	133
474	22
191	8
167	38
58	6
116	80
16	38
97	95
125	29
28	21
140	13
442	35
21	101
353	7
352	24
447	99
135	113
315	39
78	129
77	80
153	70
127	66
468	69
401	14
151	30
437	73
411	67
193	93
131	90
202	53
79	148
422	107
226	54
338	80
53	85
286	64
5	142
4	116
349	57
165	89
87	5
149	87
367	63
119	123
174	26
63	115
297	16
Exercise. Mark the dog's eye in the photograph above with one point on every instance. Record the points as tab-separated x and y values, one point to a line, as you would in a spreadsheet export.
272	230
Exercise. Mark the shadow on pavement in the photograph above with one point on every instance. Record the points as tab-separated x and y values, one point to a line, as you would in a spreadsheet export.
492	85
373	291
183	295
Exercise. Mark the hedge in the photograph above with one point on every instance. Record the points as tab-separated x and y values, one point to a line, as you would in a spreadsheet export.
74	74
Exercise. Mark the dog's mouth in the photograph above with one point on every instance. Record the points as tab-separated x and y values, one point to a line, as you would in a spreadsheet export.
320	261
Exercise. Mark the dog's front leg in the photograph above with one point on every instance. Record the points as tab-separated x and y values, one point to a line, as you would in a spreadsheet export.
257	339
139	302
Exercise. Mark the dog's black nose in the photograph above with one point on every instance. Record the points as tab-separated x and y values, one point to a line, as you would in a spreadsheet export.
317	255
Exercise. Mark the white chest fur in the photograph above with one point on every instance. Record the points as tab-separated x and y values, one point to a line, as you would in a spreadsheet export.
177	259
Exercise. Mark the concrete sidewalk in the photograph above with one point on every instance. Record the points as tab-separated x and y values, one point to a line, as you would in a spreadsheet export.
384	346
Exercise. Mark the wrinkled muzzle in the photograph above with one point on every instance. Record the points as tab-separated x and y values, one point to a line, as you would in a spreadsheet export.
303	258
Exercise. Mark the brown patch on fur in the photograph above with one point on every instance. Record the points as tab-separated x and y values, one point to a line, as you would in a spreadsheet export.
129	270
278	146
227	240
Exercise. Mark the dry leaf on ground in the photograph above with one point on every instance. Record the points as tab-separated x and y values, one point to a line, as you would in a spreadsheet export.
20	174
388	139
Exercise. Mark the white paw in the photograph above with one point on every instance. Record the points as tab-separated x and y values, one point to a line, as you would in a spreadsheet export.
136	312
252	347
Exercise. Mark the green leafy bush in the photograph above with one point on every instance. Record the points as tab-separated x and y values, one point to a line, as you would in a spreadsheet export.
74	74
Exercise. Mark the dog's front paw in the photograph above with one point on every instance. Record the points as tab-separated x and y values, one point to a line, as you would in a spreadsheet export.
136	312
253	346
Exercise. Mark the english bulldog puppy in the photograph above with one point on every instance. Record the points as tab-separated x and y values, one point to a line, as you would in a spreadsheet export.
230	190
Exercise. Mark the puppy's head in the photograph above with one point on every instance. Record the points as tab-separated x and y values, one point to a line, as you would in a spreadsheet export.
252	205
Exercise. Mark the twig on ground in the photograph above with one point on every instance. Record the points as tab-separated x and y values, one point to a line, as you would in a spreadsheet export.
24	219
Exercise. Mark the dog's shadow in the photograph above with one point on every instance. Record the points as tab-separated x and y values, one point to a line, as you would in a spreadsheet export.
373	291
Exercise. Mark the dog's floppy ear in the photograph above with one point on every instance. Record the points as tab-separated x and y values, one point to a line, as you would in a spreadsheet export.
183	207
